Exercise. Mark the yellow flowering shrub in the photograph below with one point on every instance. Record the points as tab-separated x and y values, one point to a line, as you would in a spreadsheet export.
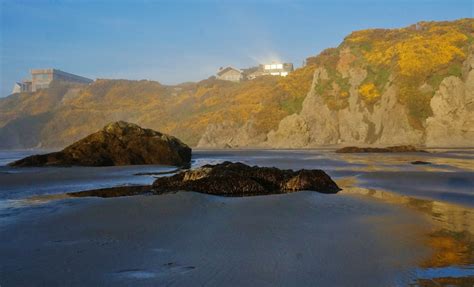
423	53
419	49
369	93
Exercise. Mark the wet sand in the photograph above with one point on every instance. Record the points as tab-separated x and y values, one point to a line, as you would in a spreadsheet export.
394	224
191	239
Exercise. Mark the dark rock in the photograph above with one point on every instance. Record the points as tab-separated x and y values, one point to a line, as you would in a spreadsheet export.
400	148
420	162
238	179
158	172
118	143
113	191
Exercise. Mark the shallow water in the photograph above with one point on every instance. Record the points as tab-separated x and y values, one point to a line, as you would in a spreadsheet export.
440	193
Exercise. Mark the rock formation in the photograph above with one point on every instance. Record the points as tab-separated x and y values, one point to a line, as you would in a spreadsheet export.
401	148
377	89
113	191
452	122
238	179
118	143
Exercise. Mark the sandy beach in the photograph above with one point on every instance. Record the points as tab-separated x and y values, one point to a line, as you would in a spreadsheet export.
359	237
190	239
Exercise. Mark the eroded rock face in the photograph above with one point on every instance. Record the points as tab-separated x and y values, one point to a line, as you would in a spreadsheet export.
401	148
386	123
452	123
229	134
238	179
383	123
118	143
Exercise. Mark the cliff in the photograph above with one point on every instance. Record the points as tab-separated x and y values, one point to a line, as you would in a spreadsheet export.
411	85
390	87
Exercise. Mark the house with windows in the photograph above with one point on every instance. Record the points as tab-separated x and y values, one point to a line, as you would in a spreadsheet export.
277	69
23	86
237	75
230	74
42	78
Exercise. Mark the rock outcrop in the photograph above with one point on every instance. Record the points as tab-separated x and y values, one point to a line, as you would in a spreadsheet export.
383	123
402	148
113	191
118	143
238	179
452	122
230	135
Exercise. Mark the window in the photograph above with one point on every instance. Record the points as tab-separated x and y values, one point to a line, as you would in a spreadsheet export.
41	76
42	86
279	66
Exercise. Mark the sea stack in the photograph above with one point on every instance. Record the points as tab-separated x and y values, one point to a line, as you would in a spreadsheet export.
118	143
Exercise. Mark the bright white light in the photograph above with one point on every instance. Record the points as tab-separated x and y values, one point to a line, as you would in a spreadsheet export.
279	66
268	67
284	74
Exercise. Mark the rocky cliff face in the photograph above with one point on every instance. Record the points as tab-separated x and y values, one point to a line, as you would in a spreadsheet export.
356	100
452	123
411	85
385	123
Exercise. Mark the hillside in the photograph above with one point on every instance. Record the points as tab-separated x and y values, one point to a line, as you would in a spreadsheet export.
403	86
410	85
63	114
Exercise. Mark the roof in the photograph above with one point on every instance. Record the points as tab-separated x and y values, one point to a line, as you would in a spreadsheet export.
227	69
250	70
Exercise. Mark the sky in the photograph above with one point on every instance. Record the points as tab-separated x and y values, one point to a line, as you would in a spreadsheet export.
180	41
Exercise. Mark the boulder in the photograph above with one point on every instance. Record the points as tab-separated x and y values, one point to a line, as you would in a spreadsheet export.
118	143
400	148
238	179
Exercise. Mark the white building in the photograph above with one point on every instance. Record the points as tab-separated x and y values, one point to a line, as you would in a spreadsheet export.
277	69
236	75
21	87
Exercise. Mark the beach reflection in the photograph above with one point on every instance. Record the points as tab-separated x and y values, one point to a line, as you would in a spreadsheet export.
439	161
451	237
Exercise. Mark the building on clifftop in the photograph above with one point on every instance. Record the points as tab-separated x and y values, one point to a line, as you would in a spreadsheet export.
42	78
277	69
237	75
229	74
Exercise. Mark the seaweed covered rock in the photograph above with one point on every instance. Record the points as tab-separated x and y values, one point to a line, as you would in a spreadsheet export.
118	143
238	179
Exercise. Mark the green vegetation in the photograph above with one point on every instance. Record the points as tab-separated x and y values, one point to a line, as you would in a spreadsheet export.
424	53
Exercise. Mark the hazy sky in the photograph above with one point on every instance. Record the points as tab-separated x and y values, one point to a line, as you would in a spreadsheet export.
176	41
